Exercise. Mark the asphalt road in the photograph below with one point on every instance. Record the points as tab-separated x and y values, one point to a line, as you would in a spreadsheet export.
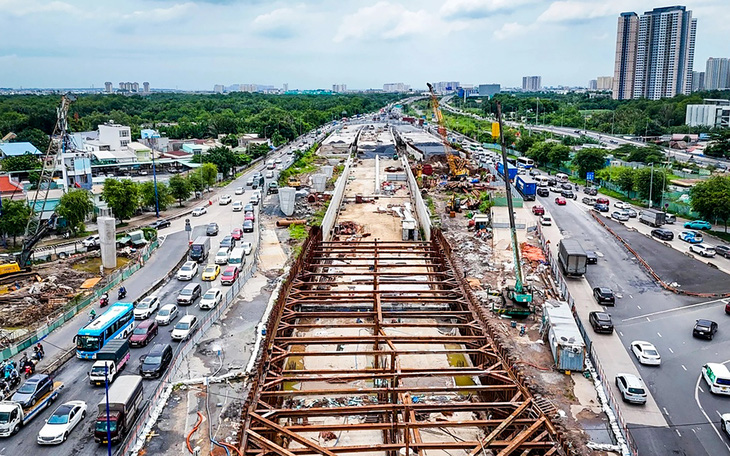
644	311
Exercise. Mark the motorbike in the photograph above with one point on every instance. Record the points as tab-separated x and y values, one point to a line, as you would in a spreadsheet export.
91	318
122	293
104	301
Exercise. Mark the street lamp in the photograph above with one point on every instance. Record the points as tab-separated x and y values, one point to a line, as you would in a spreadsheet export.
651	183
154	178
108	421
537	111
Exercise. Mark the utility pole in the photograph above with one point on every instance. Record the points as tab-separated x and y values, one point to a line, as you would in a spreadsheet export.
154	178
651	183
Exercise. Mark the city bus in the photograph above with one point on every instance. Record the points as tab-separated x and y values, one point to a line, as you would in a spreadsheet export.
525	162
117	322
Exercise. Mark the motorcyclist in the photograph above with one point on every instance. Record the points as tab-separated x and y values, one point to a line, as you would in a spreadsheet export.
122	292
92	314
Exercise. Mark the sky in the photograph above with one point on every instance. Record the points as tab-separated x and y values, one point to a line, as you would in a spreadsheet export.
194	44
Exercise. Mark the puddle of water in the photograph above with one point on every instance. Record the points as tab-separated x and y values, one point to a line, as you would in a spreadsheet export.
294	363
459	360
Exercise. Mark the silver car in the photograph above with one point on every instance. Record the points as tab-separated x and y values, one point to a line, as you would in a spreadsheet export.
167	314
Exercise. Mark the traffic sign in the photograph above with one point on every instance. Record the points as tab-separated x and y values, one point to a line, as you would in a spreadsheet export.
589	176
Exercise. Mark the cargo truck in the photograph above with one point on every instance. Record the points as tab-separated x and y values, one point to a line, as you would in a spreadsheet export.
572	258
652	218
125	402
112	358
527	187
13	416
511	170
199	249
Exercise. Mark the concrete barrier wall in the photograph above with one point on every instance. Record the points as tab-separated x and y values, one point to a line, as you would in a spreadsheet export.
331	215
422	213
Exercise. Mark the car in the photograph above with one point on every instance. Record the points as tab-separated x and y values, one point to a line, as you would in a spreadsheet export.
693	237
621	205
631	212
703	250
198	211
542	191
277	160
589	200
210	272
620	216
698	225
604	295
249	181
568	194
37	386
249	216
723	250
545	220
247	248
146	307
566	186
188	271
601	207
237	234
221	257
601	322
705	329
248	208
160	223
269	174
224	199
591	257
538	210
166	314
185	327
602	200
273	187
247	226
592	191
154	363
240	190
237	206
661	233
725	423
211	229
646	353
211	298
632	388
62	421
189	294
91	241
229	275
560	201
143	333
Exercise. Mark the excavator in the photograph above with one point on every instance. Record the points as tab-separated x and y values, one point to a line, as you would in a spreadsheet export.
457	166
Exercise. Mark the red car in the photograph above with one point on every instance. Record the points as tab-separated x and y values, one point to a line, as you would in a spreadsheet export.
538	210
229	275
249	216
237	233
560	201
602	200
143	333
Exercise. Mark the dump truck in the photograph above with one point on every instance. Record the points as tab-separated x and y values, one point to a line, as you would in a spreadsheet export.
112	358
117	417
13	416
652	218
572	258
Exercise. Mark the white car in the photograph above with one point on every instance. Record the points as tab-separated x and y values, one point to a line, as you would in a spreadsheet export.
249	181
63	420
646	353
620	216
166	315
237	206
91	241
211	298
621	205
545	220
725	423
198	211
225	199
703	250
247	248
146	307
269	174
185	327
187	271
240	190
222	256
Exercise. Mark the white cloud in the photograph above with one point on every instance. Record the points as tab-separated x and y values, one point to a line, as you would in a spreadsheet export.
571	11
477	9
280	23
512	30
28	7
158	15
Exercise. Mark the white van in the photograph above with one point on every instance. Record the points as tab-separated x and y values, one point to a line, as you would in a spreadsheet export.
237	257
562	177
717	377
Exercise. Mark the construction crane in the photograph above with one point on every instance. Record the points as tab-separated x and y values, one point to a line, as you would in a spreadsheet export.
520	294
36	226
457	164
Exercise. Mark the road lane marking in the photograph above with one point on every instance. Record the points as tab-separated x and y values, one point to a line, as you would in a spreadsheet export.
678	432
718	413
701	389
673	310
659	334
638	307
665	411
712	423
621	334
684	367
630	296
670	350
647	319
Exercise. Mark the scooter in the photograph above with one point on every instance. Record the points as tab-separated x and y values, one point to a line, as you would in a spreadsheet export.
122	293
104	301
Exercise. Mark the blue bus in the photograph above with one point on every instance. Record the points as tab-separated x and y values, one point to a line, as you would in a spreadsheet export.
117	322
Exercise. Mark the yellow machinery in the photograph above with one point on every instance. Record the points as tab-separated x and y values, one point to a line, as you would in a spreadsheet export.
294	181
457	165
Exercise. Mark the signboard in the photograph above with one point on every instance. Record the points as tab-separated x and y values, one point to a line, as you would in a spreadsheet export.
589	176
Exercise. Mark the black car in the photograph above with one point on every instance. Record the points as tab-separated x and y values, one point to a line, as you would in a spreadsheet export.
591	257
160	223
33	390
248	226
600	207
212	229
723	250
542	191
601	322
604	295
705	329
156	361
661	233
590	191
228	243
567	194
566	186
552	181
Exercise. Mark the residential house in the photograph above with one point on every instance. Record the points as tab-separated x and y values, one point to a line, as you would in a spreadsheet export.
17	149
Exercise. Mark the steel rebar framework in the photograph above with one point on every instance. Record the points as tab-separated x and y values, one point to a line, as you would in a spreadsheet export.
377	348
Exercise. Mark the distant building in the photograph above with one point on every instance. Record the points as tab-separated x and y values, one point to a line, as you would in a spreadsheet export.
247	87
698	81
625	61
135	87
339	88
146	86
489	90
75	166
713	113
396	87
248	139
17	149
446	87
531	83
108	87
593	84
218	88
717	74
285	87
604	83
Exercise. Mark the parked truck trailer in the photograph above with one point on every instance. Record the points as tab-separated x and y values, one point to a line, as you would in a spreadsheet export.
572	258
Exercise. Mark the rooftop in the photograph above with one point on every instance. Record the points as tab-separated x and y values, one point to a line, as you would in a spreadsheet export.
16	149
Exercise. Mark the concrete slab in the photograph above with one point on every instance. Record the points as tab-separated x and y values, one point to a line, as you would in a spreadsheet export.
271	255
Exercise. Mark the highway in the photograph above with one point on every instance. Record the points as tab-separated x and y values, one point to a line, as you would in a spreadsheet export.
644	311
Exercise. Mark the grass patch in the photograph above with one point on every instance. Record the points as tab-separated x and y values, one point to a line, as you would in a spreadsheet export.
304	164
91	265
318	216
721	234
297	232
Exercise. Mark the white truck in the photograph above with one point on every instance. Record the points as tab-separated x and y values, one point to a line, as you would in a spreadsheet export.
13	416
111	358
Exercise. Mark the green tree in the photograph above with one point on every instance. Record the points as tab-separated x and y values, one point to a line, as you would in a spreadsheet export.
625	179
147	195
25	162
209	173
14	218
258	150
122	196
647	182
720	146
590	159
195	179
74	207
230	141
558	153
34	136
181	188
649	154
540	152
223	158
711	199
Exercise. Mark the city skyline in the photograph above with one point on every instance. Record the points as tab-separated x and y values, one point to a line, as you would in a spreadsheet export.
192	45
